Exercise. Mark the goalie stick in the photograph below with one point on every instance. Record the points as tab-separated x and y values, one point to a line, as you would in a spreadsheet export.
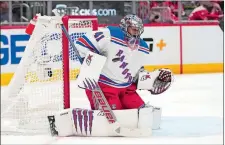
103	103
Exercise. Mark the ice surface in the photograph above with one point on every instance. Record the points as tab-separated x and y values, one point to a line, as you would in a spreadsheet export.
192	113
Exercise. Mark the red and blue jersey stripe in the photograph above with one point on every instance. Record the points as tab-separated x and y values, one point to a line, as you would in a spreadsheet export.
85	42
105	80
118	41
143	49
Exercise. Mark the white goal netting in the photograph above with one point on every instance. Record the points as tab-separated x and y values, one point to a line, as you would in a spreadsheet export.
37	88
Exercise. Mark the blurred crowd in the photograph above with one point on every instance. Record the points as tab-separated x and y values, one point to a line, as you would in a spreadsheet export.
167	11
4	10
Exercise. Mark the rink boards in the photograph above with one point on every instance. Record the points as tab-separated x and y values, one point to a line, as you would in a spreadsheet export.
184	48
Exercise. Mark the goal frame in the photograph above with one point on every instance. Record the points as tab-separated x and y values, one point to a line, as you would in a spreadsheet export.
65	53
48	59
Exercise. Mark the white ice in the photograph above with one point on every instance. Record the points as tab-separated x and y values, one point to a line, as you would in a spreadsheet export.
192	114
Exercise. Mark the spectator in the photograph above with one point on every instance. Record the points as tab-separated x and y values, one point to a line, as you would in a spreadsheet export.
159	16
166	15
143	9
217	11
153	4
154	17
4	10
174	8
206	11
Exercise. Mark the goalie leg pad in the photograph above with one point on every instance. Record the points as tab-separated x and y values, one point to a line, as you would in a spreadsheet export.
84	122
145	117
157	113
149	117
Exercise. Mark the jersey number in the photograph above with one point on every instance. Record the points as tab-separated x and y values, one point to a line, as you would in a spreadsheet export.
98	36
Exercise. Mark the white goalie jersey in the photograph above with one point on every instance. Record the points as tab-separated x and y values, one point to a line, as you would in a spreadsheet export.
121	65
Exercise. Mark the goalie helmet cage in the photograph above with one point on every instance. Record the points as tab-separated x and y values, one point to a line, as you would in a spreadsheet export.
41	84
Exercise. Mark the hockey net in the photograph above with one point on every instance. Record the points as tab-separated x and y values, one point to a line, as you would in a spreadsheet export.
41	83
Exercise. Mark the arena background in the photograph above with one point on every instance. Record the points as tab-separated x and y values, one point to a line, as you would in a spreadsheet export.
176	40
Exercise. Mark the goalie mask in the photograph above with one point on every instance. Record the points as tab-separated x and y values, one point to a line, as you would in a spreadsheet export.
133	27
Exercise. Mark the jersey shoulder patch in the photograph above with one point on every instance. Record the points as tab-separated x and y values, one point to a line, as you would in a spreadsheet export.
143	47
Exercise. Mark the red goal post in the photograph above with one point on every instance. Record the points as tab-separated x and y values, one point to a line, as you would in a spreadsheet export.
65	43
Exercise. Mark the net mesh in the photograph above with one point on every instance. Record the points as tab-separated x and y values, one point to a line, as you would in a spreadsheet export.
36	89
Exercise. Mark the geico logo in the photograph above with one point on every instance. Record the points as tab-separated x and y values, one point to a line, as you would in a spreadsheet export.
96	12
11	47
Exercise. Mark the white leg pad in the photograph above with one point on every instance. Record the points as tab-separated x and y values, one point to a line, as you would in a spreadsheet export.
157	113
150	117
145	119
83	122
63	123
